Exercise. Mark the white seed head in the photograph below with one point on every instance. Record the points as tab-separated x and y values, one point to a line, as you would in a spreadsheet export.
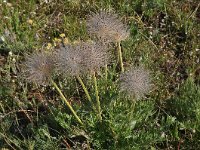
95	55
69	60
107	26
80	58
38	68
135	82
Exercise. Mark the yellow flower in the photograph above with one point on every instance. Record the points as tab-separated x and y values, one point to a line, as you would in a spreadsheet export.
66	40
57	41
29	21
62	35
49	46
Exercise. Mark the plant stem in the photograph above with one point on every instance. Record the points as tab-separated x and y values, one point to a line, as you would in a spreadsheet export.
132	106
106	72
97	97
84	88
66	102
86	91
120	56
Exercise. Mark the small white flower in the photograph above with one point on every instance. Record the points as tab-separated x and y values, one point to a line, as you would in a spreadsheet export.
163	135
14	60
2	39
10	53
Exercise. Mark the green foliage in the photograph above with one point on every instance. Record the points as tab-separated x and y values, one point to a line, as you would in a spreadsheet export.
164	38
185	105
44	140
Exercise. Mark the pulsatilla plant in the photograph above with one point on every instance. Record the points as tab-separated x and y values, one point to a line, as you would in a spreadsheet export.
135	82
88	58
69	60
85	57
82	58
96	55
39	68
108	27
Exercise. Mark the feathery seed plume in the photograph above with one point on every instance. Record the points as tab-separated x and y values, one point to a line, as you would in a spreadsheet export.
82	57
38	68
95	55
69	60
135	82
107	26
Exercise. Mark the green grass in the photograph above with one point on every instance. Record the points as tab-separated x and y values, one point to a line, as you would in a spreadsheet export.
164	38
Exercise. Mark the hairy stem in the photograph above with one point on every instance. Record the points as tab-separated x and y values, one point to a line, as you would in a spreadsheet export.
86	91
84	88
97	97
120	56
66	102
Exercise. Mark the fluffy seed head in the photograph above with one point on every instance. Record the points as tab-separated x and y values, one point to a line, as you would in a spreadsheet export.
135	82
80	58
107	26
38	68
95	55
69	60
